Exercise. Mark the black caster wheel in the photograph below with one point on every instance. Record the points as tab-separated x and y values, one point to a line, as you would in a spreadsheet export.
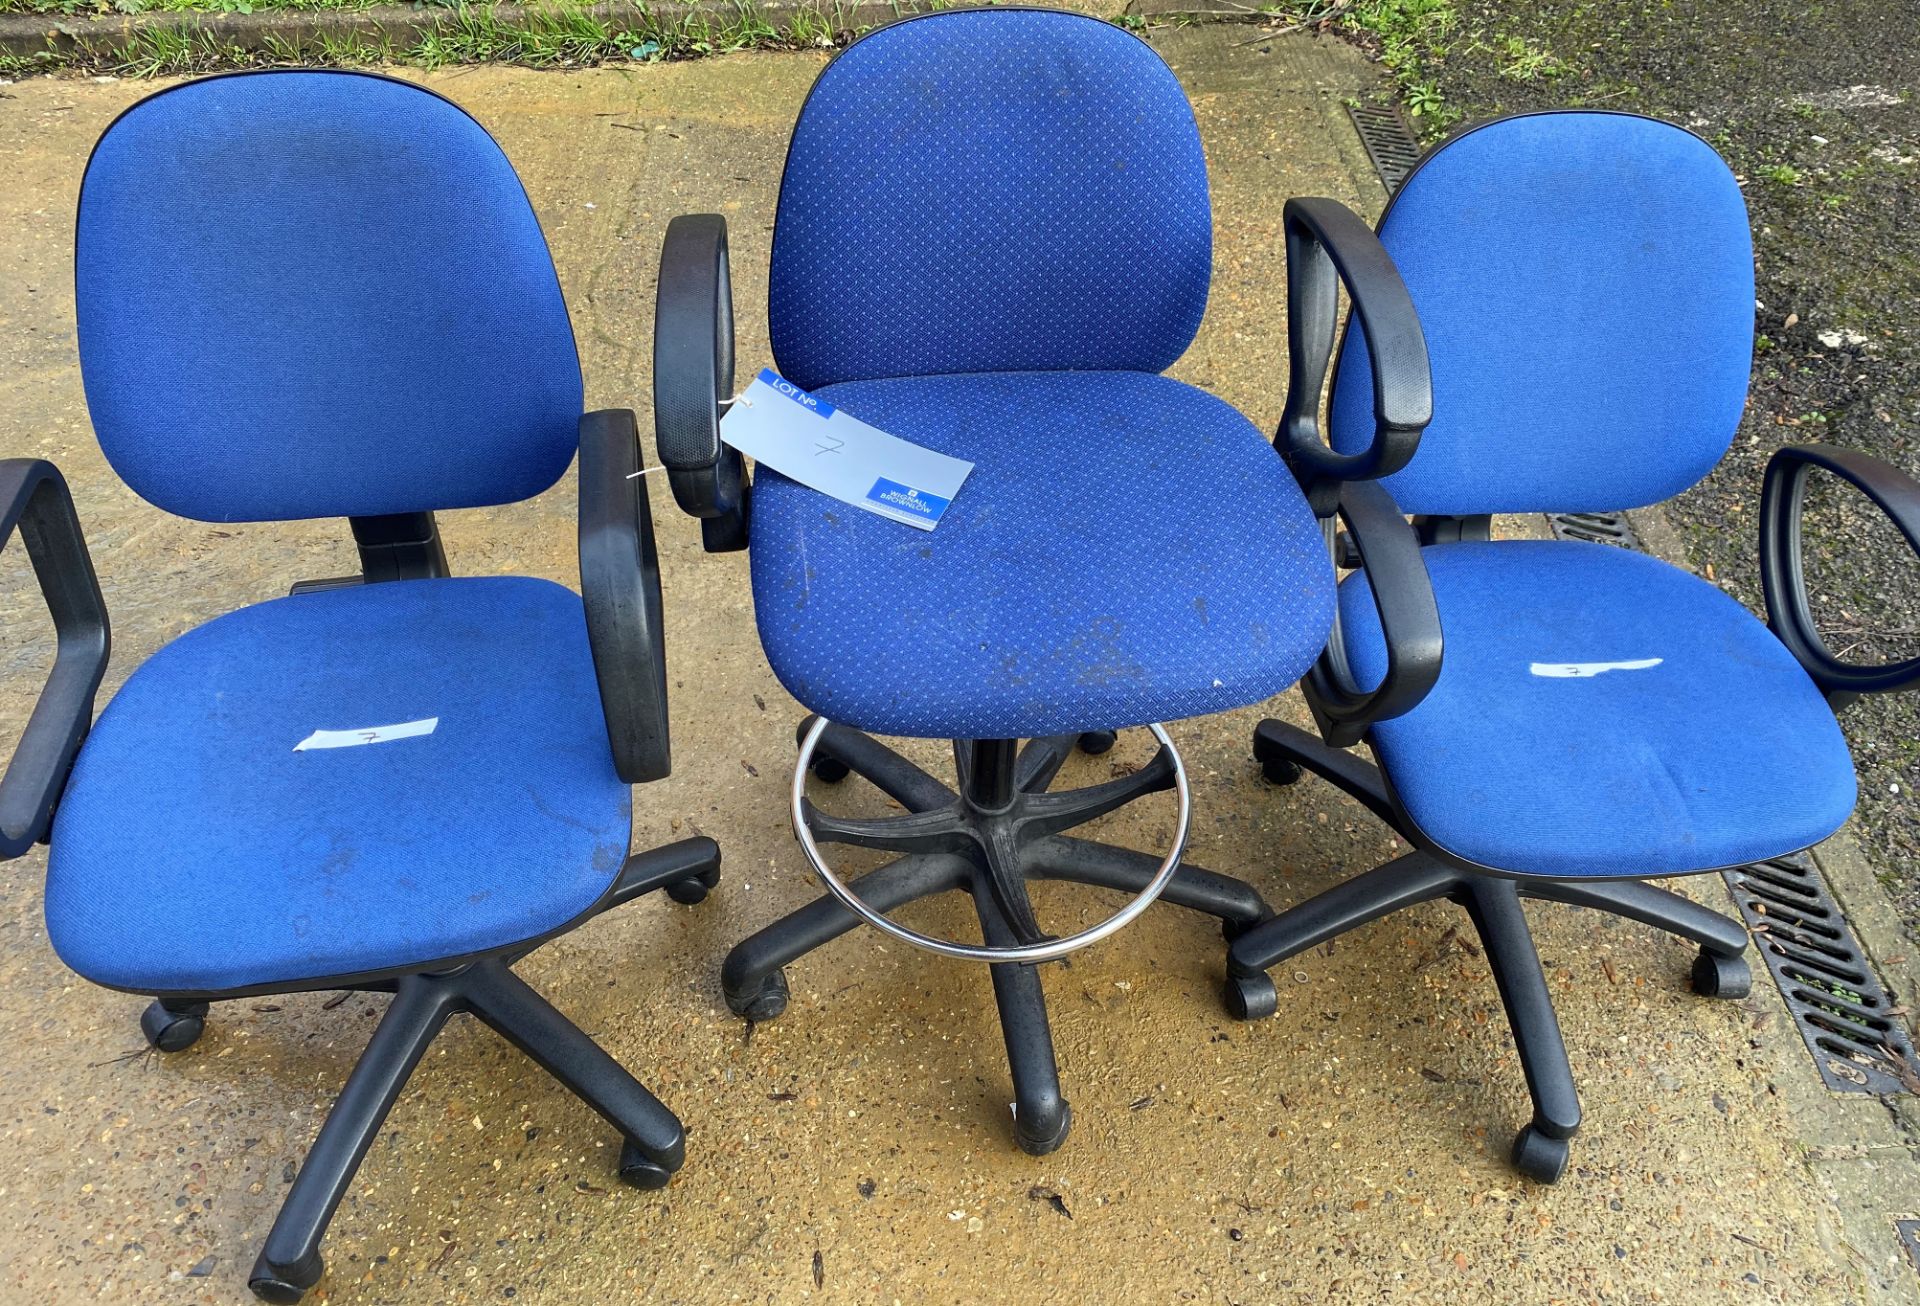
269	1288
1715	976
693	890
1538	1157
1275	765
282	1287
830	770
1280	770
640	1170
1043	1137
1250	997
766	1004
173	1031
1095	742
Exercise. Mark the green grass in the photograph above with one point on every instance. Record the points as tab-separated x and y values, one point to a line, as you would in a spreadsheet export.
552	35
108	8
1524	62
1408	36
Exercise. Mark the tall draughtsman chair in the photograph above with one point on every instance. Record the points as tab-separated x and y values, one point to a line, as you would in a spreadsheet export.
993	235
307	294
1562	720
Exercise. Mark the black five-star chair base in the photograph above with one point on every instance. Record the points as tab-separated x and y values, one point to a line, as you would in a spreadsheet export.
1000	831
654	1143
1493	904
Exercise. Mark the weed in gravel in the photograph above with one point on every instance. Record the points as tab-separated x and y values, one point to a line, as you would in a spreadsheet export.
1410	37
1523	62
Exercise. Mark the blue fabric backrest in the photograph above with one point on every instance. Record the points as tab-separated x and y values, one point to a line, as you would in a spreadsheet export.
1016	190
307	294
1585	281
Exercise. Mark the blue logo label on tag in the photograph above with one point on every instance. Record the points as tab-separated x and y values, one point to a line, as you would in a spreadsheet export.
908	499
787	389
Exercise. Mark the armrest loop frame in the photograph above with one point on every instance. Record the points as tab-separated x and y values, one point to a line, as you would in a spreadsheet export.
1389	551
36	501
620	587
1783	578
1328	245
693	379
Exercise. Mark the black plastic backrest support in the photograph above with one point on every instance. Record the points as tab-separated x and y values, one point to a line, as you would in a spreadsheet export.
1327	245
395	546
1783	576
35	500
399	546
620	584
693	379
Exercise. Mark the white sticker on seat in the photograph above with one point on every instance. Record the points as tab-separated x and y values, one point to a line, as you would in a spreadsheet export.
371	735
1583	670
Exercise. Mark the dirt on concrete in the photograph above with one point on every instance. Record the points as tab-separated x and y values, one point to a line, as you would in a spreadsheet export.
1817	108
1352	1148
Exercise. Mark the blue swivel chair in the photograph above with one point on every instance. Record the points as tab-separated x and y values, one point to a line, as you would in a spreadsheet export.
1585	283
993	235
396	781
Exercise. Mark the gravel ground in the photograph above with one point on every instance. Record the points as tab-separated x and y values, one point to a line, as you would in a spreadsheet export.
1817	108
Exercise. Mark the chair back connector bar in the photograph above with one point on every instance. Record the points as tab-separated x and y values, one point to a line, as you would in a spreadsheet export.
997	839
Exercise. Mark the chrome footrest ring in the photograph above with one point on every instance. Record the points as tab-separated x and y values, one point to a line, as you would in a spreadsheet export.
1025	954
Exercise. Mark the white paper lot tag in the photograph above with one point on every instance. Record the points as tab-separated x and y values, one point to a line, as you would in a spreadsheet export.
371	735
803	436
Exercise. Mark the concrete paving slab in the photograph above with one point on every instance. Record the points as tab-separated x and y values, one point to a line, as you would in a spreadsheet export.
858	1150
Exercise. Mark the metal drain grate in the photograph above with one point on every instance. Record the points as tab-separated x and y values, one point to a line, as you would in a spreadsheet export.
1909	1231
1831	990
1389	140
1594	527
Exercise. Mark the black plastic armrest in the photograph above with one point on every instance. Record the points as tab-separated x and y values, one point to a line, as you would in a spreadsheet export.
693	379
620	584
36	501
1389	550
1327	245
1783	576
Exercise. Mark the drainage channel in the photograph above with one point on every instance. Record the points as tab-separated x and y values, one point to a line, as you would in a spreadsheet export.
1909	1231
1594	528
1388	139
1837	1002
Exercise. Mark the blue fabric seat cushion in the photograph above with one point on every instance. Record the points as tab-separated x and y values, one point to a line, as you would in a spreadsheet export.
196	850
1127	549
1529	757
